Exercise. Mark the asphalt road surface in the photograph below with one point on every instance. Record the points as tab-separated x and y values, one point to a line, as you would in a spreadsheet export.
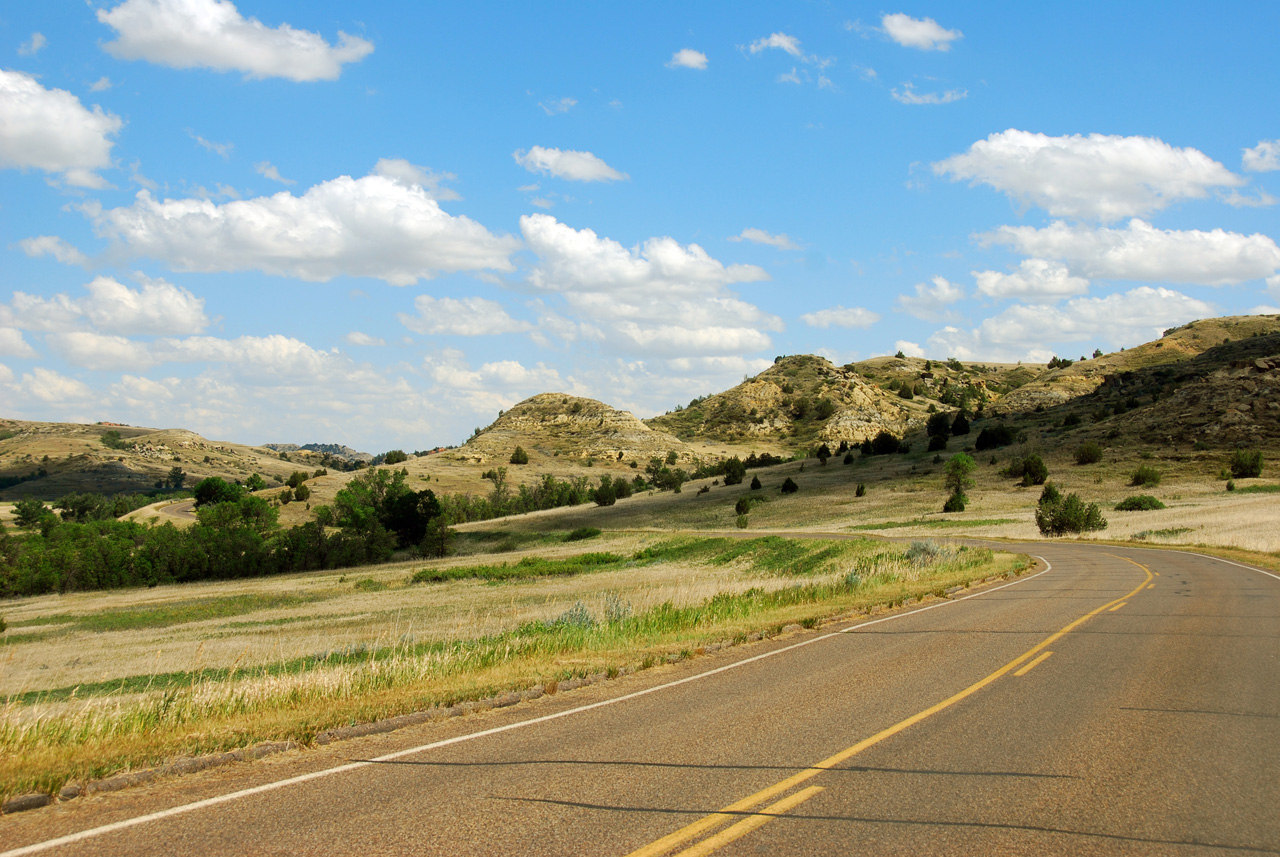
1123	702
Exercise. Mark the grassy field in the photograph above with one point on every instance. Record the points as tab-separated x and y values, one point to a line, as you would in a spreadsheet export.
110	681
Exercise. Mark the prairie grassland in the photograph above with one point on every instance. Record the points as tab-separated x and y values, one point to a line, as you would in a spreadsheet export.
96	684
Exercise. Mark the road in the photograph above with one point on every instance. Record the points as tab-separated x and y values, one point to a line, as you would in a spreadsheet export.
1123	702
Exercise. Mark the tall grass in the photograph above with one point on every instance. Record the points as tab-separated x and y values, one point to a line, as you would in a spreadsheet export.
93	731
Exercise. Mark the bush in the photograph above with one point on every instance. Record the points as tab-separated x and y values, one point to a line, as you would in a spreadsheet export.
937	442
755	483
743	506
1139	503
955	503
395	456
848	458
790	486
296	478
302	493
1034	470
214	490
960	426
519	456
582	533
1246	463
1231	485
993	437
860	491
1057	515
742	522
939	425
1145	475
885	444
1088	453
734	471
112	440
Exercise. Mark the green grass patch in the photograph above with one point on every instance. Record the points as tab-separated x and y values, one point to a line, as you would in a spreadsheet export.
168	615
1159	534
937	524
1259	489
582	534
529	567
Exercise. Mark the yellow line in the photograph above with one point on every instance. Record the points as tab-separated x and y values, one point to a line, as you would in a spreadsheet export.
691	831
1117	607
1029	667
742	828
1151	586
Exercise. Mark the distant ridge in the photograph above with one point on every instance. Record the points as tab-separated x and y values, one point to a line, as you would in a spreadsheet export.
337	450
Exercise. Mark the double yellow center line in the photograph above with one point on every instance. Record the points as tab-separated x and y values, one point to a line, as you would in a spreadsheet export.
757	818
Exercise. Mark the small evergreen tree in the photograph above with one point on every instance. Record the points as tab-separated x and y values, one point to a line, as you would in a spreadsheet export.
519	456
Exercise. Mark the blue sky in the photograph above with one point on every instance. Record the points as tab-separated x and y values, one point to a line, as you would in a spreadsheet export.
380	224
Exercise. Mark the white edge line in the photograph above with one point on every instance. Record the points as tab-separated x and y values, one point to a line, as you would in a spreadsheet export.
471	736
1205	556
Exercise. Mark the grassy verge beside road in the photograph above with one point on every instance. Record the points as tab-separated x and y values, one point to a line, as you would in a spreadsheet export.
614	622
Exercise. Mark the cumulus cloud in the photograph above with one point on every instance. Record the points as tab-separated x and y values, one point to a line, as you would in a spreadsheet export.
931	299
50	130
268	170
52	388
925	34
759	236
1259	199
158	307
1035	279
213	34
1095	177
370	227
567	164
778	41
492	386
908	95
908	349
473	316
1262	158
1140	251
839	316
1024	332
412	175
12	343
101	351
658	297
32	46
688	58
52	245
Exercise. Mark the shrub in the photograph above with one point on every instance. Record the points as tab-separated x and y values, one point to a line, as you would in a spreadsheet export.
960	425
302	493
860	491
296	478
1034	470
906	392
937	442
994	436
1145	475
848	458
742	522
790	486
519	456
955	503
1231	485
755	483
885	444
939	425
1139	503
582	533
734	471
1246	463
743	506
1057	515
112	440
395	456
1088	453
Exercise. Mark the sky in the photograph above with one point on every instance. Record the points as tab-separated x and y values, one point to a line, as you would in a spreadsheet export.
380	224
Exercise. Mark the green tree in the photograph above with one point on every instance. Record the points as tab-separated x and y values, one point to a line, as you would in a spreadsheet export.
1246	463
302	493
176	478
395	456
734	471
112	440
958	477
519	456
28	512
296	478
213	490
789	486
255	483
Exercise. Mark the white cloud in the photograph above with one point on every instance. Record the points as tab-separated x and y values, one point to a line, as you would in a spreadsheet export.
158	307
52	388
412	175
908	349
1273	285
1034	279
925	34
780	41
567	164
222	150
1262	158
213	34
369	227
908	95
688	58
930	301
1098	177
790	77
6	374
759	236
50	130
838	316
32	46
473	316
1259	199
493	386
1037	332
355	337
101	351
659	297
269	170
13	345
563	105
102	84
1140	251
52	245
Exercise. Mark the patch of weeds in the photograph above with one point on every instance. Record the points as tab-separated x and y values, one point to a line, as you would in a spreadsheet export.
1145	475
582	534
178	612
530	566
938	524
1259	489
1159	534
368	584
